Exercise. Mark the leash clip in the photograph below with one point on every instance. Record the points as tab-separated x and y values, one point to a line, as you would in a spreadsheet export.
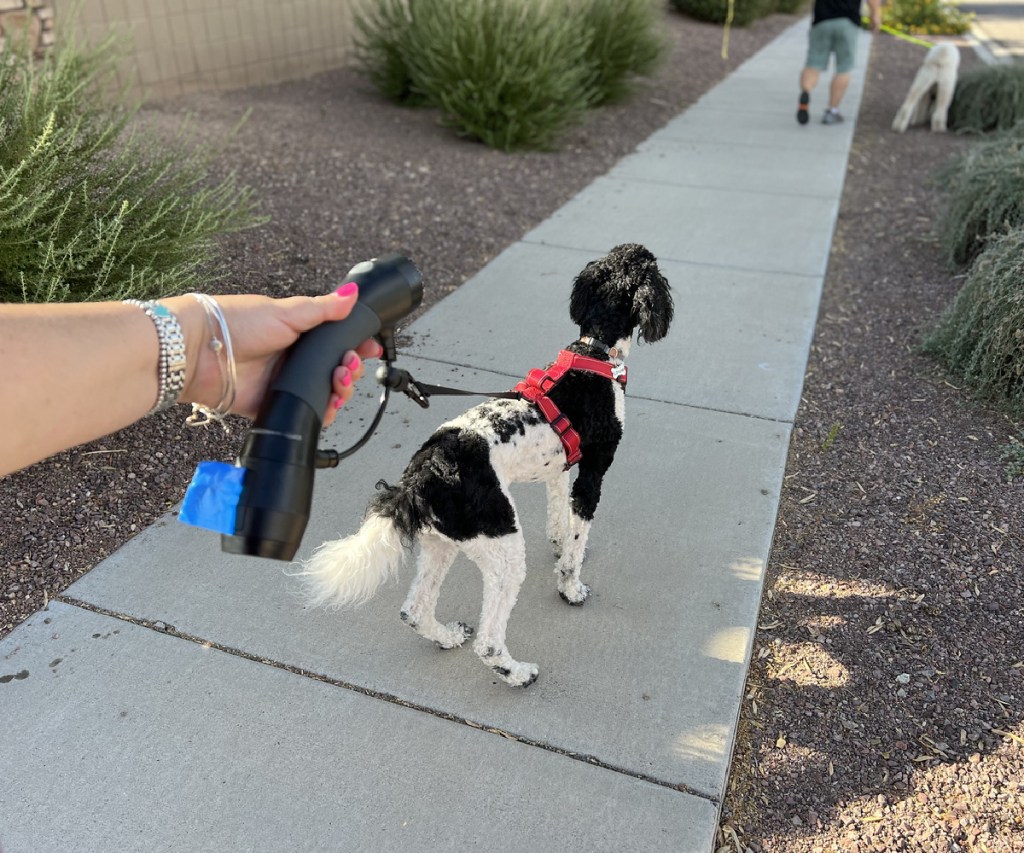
401	380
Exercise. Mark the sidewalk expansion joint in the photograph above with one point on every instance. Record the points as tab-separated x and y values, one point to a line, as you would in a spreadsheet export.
688	261
162	627
826	196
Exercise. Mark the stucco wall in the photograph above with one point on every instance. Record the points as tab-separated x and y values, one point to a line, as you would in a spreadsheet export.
181	46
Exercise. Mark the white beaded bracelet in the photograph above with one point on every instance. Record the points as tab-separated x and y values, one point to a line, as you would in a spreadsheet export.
171	364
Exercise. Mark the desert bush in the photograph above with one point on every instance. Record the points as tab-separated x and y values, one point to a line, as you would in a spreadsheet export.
514	75
985	195
988	98
622	43
382	48
744	13
790	7
980	338
90	208
926	17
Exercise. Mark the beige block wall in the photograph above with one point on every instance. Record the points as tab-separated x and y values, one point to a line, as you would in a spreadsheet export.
179	46
36	16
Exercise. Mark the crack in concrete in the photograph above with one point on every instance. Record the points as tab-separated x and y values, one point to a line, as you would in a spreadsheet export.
162	627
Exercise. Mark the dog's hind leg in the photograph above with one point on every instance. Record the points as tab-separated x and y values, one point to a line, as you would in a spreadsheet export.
437	553
913	106
502	562
943	98
558	512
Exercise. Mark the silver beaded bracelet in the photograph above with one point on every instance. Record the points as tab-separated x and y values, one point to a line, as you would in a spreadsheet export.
171	364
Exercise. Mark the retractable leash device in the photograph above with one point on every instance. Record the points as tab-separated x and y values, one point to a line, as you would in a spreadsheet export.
261	505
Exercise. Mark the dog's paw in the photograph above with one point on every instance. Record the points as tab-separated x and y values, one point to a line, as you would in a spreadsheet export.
518	674
573	591
453	635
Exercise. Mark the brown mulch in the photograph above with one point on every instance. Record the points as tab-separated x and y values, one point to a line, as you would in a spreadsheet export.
888	665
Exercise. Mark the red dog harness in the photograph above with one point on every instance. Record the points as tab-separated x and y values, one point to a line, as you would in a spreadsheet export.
540	381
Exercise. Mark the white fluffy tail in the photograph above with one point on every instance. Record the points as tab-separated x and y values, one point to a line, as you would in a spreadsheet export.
348	572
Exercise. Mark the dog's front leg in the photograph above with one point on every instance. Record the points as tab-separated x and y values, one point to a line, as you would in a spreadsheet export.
502	562
558	512
586	493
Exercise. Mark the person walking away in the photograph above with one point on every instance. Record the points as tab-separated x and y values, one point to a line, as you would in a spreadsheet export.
835	25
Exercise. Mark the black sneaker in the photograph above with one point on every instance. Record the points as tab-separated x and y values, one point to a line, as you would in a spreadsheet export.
801	111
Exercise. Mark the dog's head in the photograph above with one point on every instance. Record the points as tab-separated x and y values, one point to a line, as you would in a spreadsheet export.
619	293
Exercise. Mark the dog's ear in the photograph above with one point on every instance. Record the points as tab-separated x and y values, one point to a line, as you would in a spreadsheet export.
583	290
652	300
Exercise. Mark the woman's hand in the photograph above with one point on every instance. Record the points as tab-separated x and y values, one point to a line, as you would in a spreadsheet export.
72	373
262	329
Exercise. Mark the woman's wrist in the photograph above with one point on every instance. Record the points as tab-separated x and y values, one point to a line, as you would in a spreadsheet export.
202	373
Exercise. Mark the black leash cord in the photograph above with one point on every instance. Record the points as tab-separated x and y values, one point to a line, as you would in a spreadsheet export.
330	458
388	376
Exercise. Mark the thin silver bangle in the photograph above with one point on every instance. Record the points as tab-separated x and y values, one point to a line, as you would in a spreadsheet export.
171	361
215	320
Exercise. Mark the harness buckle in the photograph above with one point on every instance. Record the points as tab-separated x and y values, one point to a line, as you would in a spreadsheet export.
561	424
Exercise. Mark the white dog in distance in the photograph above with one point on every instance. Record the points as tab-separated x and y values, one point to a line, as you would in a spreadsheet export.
931	93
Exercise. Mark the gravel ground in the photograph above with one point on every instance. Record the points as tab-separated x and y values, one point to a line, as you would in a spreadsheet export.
888	663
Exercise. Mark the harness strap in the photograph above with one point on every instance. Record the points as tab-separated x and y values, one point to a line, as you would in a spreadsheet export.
540	381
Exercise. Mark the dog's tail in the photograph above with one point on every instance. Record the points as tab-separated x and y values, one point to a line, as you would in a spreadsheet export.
348	572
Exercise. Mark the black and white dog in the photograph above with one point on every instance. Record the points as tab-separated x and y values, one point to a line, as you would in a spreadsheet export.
454	494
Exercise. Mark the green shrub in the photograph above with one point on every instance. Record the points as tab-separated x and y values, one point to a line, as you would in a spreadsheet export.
89	207
790	7
980	338
622	42
744	13
985	195
926	17
512	74
382	45
988	98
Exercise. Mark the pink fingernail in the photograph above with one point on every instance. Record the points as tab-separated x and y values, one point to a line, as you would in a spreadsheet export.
351	361
349	289
338	403
346	380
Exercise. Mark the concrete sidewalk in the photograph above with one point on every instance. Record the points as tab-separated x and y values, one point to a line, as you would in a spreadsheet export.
998	29
179	699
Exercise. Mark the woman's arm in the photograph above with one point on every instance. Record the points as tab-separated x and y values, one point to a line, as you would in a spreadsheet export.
73	373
